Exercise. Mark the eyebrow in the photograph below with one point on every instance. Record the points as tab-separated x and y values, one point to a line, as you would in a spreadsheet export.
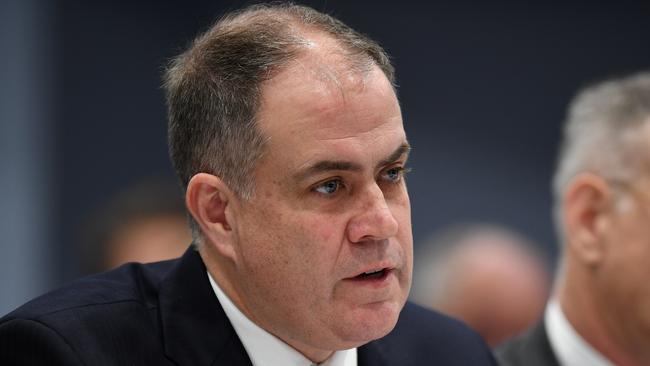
402	150
329	165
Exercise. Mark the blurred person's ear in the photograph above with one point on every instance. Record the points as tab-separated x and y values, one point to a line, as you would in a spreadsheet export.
211	202
588	206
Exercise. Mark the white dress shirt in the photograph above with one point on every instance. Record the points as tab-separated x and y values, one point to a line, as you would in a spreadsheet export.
569	347
265	349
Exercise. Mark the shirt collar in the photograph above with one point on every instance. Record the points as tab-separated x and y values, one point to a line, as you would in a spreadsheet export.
265	349
569	347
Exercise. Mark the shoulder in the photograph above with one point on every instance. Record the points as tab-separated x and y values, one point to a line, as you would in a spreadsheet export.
531	349
29	342
83	314
132	282
425	328
423	337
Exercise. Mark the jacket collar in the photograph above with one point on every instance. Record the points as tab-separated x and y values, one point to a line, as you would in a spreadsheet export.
372	354
195	328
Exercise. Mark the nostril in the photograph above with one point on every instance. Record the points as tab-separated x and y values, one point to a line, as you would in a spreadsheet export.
372	226
374	219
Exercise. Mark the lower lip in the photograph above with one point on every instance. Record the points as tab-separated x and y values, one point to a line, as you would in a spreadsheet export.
373	282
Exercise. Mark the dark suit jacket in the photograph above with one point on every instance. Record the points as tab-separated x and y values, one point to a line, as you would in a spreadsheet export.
531	349
167	314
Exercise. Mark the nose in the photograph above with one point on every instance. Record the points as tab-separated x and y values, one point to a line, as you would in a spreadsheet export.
375	220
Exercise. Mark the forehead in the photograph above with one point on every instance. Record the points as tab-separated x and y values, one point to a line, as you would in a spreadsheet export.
630	159
318	107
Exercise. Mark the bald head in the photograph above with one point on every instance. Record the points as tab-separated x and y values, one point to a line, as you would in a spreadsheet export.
487	276
214	88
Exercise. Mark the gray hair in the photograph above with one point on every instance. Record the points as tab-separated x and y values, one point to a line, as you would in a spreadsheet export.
602	134
213	88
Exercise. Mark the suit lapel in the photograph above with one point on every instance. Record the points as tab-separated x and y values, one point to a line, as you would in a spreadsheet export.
531	349
196	331
539	337
372	354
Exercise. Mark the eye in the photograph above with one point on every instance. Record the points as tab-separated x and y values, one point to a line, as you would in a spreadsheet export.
329	187
394	174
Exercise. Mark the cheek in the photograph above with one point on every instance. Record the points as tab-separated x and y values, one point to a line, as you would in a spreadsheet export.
628	256
324	230
294	243
402	214
317	241
405	239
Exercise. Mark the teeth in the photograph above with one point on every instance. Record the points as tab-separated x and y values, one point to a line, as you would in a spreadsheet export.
372	272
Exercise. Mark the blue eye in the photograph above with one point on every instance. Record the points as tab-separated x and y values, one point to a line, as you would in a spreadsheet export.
394	174
328	188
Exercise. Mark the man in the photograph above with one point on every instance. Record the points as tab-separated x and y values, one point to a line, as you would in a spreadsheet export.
144	222
287	136
600	314
488	276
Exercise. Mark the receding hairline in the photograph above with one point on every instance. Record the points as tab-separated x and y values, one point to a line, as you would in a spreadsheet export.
328	61
328	56
328	44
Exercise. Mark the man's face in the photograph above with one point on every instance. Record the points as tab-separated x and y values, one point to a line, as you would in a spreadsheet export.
626	268
330	203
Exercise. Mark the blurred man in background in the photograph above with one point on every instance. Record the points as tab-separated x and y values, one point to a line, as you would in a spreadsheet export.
490	277
600	311
144	222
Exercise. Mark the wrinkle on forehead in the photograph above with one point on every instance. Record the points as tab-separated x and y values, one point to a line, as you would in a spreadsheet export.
360	133
354	148
331	92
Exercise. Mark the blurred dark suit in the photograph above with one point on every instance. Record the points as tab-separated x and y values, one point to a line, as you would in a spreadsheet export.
531	349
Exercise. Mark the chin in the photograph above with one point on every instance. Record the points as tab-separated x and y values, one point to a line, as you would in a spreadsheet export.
370	322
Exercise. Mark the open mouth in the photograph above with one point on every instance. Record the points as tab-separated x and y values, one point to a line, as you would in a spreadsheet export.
373	275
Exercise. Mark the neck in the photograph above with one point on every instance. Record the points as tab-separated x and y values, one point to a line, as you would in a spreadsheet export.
595	322
222	271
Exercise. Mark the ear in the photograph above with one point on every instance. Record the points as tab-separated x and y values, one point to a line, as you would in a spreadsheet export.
587	209
211	203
